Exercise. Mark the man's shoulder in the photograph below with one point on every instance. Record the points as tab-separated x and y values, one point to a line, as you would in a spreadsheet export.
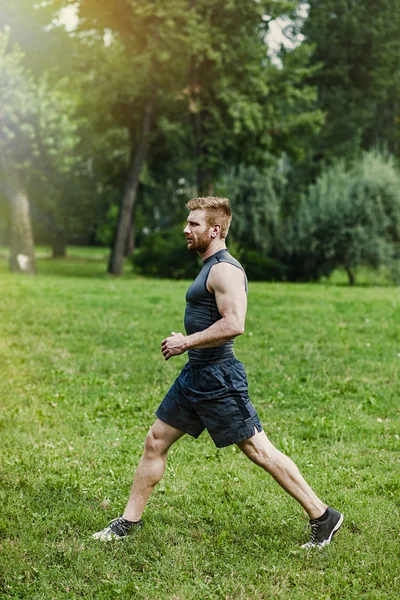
225	257
226	274
226	266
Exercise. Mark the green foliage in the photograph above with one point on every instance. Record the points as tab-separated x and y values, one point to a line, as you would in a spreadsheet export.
32	28
39	143
262	268
350	217
219	101
38	132
256	198
163	254
254	232
358	45
105	231
242	108
19	108
224	114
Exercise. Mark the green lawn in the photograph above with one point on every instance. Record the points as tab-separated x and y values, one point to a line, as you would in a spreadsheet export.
81	377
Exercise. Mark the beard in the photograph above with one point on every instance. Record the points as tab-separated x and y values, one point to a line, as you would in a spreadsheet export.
200	245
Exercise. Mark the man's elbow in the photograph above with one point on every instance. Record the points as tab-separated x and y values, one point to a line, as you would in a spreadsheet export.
233	326
237	328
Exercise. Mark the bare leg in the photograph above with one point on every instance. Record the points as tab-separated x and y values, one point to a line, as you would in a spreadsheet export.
151	467
260	450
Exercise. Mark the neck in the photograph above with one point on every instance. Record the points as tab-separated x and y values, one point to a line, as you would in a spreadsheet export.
215	246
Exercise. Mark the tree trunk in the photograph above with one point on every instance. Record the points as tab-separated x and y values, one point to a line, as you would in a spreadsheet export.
116	262
203	174
22	255
59	244
351	276
130	240
205	184
22	248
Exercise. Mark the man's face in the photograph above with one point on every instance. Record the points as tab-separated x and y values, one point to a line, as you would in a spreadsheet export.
197	232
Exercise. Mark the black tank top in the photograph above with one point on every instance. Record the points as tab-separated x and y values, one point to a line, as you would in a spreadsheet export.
202	311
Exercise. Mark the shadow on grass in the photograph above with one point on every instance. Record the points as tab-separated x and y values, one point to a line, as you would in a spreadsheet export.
74	266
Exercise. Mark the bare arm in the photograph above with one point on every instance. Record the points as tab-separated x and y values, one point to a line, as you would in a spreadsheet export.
227	283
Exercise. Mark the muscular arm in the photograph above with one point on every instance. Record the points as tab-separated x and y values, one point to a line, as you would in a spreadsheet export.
227	283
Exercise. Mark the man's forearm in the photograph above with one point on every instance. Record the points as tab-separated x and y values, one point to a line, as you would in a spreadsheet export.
216	335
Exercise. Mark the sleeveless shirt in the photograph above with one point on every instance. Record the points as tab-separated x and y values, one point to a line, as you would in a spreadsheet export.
202	311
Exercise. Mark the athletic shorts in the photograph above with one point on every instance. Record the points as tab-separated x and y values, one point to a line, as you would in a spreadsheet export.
215	398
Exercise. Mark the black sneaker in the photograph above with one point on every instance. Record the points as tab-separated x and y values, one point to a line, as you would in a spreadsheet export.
323	531
117	529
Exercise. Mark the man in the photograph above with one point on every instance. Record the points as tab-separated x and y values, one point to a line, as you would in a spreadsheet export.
211	390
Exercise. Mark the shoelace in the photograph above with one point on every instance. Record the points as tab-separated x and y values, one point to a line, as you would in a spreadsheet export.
119	523
314	532
119	519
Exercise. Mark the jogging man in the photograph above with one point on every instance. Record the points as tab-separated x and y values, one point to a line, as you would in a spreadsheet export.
211	390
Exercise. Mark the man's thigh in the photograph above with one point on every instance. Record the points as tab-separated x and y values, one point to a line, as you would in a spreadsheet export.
221	399
177	411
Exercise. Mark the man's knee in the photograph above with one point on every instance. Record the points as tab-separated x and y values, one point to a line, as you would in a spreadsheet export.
156	442
259	449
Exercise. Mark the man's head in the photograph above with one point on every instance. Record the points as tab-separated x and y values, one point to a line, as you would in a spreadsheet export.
209	219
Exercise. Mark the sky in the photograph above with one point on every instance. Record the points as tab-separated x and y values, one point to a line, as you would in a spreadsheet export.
68	17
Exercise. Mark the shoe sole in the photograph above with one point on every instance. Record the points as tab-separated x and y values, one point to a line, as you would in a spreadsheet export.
108	539
100	536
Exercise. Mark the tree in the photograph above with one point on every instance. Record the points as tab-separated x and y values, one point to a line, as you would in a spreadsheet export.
16	130
192	85
146	38
42	156
349	217
76	167
358	45
32	28
245	109
256	198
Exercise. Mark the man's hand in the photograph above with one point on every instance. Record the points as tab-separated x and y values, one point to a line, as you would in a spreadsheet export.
173	346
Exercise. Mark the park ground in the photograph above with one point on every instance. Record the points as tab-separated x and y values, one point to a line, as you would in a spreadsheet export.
81	375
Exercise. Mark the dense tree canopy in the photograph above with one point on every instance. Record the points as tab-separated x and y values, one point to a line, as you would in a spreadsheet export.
358	45
108	129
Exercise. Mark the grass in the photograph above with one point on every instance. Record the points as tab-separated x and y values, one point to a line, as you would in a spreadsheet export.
81	377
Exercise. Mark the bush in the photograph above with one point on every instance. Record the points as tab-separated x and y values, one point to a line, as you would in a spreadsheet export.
350	217
262	268
256	199
163	254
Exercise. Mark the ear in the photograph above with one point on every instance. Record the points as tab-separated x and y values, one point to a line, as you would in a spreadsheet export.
215	231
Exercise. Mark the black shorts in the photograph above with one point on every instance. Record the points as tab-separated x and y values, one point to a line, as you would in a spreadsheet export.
215	398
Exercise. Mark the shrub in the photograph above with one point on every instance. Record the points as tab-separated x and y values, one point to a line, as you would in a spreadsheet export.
350	217
256	204
163	254
262	268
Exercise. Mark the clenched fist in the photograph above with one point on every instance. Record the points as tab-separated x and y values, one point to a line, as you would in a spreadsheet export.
173	346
